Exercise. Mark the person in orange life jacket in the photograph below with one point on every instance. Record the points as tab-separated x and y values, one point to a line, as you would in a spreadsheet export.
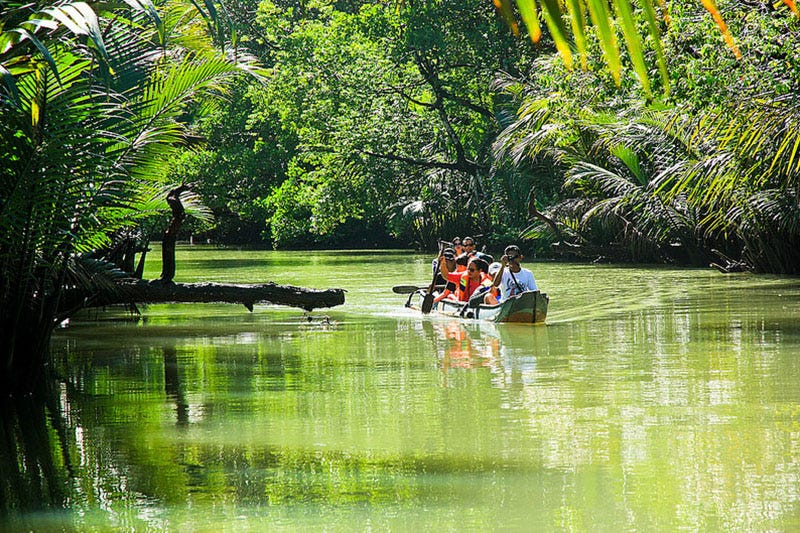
479	296
477	275
511	279
456	284
451	271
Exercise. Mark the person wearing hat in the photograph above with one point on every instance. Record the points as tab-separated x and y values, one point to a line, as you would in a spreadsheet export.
511	278
450	270
446	262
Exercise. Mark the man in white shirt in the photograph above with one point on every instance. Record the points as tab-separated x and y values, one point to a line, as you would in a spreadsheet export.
511	278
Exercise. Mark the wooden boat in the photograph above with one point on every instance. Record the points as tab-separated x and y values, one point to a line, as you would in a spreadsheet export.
529	307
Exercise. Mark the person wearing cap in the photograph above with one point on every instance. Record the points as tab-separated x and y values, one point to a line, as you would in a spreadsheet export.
450	270
511	278
446	262
494	268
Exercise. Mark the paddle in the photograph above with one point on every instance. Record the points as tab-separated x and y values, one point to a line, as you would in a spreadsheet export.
408	289
405	289
427	301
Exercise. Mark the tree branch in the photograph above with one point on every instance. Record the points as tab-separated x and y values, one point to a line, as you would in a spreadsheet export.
426	163
403	94
469	105
533	211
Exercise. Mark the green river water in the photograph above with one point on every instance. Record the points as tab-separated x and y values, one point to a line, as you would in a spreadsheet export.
654	399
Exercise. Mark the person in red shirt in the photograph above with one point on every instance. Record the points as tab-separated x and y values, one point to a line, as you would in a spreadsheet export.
450	269
477	275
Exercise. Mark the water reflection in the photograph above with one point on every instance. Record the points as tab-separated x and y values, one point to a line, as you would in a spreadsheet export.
35	455
681	412
173	386
460	349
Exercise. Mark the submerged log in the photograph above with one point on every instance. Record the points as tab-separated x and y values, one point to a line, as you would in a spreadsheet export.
139	292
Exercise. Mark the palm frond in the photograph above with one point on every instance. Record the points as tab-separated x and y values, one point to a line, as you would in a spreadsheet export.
607	18
585	175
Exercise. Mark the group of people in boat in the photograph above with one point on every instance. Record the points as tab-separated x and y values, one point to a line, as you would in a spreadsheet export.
468	275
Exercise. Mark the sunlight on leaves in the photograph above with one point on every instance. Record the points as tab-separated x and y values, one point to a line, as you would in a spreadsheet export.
607	18
711	7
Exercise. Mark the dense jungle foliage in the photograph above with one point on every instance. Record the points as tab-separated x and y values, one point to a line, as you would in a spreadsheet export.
380	124
357	123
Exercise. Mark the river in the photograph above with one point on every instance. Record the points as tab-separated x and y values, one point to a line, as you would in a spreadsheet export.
654	399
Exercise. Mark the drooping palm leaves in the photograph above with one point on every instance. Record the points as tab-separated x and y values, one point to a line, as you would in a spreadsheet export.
84	123
748	184
616	166
687	185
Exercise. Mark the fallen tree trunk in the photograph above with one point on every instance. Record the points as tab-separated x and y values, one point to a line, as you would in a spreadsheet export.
138	292
131	291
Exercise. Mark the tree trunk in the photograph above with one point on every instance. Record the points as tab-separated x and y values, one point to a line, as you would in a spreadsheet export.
171	234
135	292
534	212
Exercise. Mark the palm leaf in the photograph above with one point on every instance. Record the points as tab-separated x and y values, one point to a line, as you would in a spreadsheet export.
610	183
631	160
791	4
530	16
603	17
711	7
577	17
631	34
603	22
80	19
552	16
10	81
655	38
